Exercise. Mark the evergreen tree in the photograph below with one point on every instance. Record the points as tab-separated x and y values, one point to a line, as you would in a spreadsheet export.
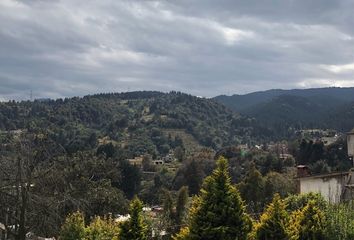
182	199
278	183
273	222
135	228
184	234
252	189
73	228
308	223
102	229
299	201
218	211
168	216
194	176
168	204
131	177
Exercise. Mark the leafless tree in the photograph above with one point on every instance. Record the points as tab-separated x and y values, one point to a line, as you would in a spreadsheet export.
24	159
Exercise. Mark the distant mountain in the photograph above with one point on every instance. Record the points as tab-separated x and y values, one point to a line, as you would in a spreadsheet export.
297	108
342	118
242	102
294	111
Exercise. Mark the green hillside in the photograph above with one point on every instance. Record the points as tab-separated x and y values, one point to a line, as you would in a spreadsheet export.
138	122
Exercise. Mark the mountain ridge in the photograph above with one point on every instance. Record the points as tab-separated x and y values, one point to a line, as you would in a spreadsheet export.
238	102
296	108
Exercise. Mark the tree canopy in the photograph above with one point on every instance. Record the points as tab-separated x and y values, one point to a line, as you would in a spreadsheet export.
218	212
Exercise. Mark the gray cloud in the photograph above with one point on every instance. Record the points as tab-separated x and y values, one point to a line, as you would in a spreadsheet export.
66	48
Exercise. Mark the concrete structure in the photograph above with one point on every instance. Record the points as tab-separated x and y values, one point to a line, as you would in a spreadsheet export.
158	162
329	140
137	161
332	186
243	147
3	234
32	236
285	156
169	157
350	144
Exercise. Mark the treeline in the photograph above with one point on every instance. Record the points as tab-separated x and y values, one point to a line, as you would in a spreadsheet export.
40	184
323	159
258	174
131	118
218	212
102	181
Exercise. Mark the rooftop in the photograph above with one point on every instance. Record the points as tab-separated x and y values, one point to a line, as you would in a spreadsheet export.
326	175
351	132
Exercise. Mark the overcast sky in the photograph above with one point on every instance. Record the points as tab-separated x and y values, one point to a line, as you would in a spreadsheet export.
63	48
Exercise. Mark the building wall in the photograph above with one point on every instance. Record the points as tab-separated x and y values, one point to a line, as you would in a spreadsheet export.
350	142
329	188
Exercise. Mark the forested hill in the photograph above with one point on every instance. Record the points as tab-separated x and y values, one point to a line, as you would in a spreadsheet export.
139	122
288	109
240	103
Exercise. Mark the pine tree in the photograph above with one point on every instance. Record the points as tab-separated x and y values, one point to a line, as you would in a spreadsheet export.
252	189
194	176
168	215
73	228
135	228
273	222
218	211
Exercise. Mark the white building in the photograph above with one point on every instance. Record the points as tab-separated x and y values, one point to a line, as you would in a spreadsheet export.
350	144
334	187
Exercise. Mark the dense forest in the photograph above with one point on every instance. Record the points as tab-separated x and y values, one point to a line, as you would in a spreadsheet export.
291	110
145	119
70	169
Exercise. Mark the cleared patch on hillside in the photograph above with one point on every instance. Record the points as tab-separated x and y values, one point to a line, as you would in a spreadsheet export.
190	143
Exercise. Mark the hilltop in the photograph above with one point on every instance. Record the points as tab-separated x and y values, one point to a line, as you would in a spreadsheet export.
138	122
240	103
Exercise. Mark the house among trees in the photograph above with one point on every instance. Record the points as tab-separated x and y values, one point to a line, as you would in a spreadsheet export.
285	156
170	157
2	231
158	162
137	161
335	187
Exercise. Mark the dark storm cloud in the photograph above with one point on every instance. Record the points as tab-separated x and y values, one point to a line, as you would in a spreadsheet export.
66	48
